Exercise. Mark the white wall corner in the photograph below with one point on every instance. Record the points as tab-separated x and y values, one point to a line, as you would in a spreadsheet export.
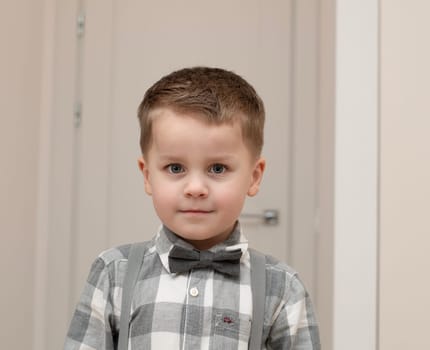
356	175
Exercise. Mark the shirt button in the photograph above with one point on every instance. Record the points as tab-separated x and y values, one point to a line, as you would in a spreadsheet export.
194	292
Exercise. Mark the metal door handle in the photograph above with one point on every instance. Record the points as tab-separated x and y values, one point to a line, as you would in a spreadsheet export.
269	216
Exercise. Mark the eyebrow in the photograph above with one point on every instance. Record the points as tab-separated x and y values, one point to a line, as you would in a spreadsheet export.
215	158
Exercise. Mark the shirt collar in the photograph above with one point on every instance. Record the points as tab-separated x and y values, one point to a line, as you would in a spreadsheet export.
166	239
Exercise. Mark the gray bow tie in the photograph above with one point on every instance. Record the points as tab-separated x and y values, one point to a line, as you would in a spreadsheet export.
183	260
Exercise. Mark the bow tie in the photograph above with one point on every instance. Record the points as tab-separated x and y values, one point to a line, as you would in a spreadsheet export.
183	260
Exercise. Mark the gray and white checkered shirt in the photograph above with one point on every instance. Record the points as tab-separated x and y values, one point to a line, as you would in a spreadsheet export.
202	309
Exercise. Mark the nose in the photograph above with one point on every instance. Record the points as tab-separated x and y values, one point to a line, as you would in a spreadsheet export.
196	187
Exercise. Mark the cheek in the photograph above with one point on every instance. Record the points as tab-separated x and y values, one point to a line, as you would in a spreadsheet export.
231	198
163	195
164	206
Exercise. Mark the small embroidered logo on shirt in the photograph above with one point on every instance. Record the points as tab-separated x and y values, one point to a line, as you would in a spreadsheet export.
227	319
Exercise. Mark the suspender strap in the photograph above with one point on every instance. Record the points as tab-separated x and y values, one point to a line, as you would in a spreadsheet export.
135	260
258	286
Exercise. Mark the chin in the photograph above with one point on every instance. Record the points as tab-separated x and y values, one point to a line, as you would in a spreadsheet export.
196	236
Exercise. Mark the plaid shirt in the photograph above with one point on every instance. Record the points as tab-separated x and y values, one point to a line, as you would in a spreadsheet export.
202	309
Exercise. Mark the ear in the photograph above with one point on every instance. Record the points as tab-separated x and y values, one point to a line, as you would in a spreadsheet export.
143	166
257	176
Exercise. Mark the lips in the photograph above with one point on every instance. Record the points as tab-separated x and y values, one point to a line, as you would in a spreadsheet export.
195	211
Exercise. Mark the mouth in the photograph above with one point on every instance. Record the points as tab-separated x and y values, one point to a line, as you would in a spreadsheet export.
195	211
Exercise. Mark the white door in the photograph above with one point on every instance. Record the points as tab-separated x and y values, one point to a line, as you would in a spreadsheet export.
125	47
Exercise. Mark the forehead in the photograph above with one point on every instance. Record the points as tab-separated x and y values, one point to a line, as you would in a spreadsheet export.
185	132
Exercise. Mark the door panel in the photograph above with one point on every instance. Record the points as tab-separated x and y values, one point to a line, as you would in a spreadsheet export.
151	41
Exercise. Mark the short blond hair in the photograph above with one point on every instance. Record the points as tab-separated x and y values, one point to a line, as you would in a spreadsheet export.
217	95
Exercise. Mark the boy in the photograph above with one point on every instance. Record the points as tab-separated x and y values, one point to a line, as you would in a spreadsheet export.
201	140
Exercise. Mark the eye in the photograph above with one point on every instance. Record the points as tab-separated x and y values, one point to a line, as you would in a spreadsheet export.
217	169
175	168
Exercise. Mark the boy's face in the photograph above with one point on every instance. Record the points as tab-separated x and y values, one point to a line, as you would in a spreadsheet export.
198	175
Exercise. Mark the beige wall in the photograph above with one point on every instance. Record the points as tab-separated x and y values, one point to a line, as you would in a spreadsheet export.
405	175
20	72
